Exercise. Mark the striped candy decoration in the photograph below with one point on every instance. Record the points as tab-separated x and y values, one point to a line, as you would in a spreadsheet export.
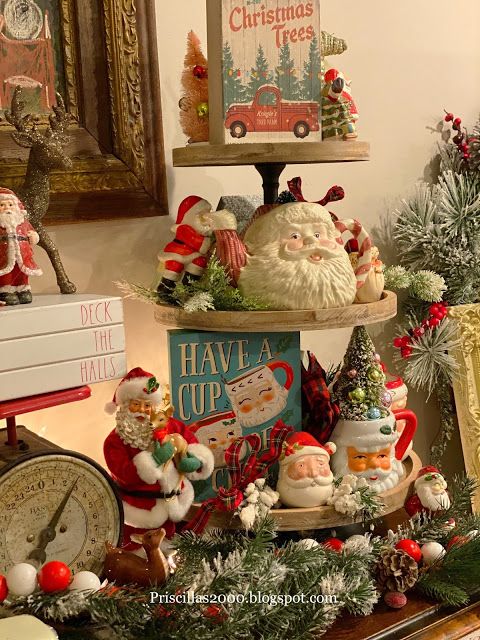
358	233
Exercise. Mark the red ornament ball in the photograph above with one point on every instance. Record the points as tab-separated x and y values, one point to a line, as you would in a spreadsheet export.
334	544
3	588
449	117
54	576
410	547
200	72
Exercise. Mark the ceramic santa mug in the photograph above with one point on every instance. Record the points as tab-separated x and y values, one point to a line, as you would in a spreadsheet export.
217	431
257	396
373	449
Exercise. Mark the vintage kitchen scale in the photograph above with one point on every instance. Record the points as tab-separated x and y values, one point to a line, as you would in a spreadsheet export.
54	504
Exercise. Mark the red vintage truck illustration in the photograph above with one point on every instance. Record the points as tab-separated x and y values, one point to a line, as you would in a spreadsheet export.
268	112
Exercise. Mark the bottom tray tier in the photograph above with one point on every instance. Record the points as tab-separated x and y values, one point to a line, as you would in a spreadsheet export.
322	517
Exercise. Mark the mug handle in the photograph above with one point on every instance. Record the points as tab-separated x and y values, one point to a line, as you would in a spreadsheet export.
354	227
287	368
407	434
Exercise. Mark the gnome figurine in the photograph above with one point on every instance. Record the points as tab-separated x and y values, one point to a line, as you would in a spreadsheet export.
430	492
305	478
152	466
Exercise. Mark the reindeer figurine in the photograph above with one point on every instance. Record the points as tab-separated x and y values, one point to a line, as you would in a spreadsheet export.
47	152
124	567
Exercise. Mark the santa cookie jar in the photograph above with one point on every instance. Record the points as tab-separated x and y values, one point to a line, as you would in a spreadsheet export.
294	258
152	466
430	493
305	478
17	236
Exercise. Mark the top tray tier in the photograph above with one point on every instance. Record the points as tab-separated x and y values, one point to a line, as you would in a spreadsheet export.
215	155
257	321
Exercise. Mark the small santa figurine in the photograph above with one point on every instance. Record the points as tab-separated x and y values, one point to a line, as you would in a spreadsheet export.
305	478
17	236
187	254
152	465
430	493
339	110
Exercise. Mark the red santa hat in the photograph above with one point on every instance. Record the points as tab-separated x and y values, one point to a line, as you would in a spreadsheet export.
136	385
332	74
191	207
301	443
424	471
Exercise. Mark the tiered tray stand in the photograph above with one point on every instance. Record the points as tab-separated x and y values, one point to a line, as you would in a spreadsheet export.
270	160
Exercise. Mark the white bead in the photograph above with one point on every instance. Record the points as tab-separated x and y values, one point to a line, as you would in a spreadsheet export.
432	551
21	579
308	543
85	581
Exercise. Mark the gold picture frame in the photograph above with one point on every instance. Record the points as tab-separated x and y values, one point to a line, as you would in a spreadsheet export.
466	387
112	90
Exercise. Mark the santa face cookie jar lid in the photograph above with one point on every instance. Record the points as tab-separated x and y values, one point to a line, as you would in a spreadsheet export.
297	260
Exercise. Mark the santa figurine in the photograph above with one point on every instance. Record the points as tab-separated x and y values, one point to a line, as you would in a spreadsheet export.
152	465
17	236
188	253
339	111
430	493
305	478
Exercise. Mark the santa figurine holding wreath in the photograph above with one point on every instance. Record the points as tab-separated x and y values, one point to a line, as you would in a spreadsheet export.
152	461
430	493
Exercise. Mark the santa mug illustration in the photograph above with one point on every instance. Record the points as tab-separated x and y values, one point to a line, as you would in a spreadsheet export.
257	396
217	432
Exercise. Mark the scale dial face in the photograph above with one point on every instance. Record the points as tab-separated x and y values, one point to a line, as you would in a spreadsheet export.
32	491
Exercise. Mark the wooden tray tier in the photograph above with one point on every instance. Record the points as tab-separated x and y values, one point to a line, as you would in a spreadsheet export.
218	155
322	517
257	321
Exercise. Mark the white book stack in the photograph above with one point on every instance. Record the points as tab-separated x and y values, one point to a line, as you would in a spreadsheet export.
60	342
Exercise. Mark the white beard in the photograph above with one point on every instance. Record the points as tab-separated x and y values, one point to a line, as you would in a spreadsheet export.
298	284
267	411
133	432
431	501
10	221
307	492
385	479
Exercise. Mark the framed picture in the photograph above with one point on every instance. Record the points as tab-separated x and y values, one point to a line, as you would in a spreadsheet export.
101	57
466	387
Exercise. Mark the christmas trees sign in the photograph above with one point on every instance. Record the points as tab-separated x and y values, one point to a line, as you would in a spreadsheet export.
252	46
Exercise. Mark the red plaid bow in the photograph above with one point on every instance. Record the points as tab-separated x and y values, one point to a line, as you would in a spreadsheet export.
241	474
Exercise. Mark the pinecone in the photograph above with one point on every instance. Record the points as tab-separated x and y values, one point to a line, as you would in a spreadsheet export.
396	571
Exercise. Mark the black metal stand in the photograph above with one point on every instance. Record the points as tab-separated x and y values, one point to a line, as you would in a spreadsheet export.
270	172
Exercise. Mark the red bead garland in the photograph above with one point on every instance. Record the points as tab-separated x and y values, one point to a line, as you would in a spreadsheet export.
54	576
437	312
461	139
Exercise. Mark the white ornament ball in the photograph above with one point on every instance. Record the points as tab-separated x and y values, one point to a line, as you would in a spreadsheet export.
85	581
431	552
21	579
308	543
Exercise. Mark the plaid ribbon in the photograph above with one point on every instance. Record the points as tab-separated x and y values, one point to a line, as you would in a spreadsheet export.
322	413
241	474
334	194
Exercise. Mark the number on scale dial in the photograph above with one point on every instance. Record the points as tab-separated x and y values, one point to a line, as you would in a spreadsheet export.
57	505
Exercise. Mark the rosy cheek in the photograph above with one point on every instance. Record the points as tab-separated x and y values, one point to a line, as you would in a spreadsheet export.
246	408
324	472
384	463
268	397
357	465
329	244
294	243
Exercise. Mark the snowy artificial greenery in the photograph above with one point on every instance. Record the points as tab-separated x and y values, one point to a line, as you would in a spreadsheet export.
431	361
212	291
353	496
424	285
438	228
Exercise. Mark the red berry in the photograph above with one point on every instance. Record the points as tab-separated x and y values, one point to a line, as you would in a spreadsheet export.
434	322
406	341
449	117
410	547
398	342
435	308
418	332
3	588
54	576
199	72
457	122
464	146
334	544
406	352
466	156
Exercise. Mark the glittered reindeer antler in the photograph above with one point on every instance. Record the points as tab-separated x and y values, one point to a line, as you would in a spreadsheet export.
59	120
26	133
